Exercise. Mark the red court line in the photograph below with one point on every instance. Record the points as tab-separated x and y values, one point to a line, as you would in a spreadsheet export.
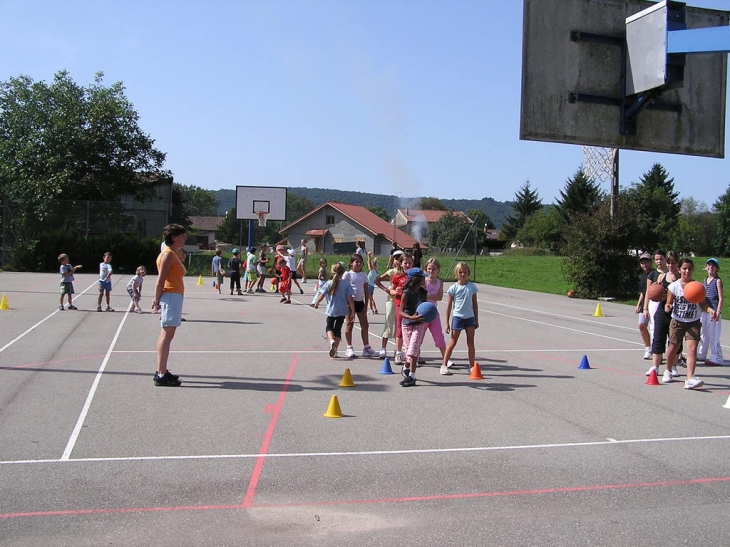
53	362
259	466
463	496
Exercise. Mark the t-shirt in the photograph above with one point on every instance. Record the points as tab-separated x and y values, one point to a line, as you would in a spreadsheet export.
413	299
251	261
358	280
135	284
234	264
105	270
217	264
66	268
463	306
682	310
337	304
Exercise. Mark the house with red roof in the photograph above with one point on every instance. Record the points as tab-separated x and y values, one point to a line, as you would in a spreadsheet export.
337	227
416	222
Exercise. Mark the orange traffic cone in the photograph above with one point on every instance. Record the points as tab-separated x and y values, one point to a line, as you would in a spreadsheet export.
652	380
476	373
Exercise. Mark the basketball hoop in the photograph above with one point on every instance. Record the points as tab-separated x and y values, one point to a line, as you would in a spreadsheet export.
262	217
599	163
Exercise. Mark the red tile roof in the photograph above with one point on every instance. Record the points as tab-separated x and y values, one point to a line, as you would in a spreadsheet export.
367	219
207	223
428	215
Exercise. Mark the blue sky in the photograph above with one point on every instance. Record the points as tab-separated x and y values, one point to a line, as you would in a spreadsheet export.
402	97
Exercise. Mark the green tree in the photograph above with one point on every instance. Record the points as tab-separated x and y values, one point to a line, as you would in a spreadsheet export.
379	210
230	229
178	212
544	230
597	261
449	231
432	204
581	195
297	207
696	229
62	139
199	202
722	215
526	203
481	222
658	207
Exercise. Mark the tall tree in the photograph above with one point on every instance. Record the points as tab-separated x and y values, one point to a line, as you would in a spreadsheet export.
526	203
722	214
65	139
581	195
658	207
449	232
432	204
379	210
199	202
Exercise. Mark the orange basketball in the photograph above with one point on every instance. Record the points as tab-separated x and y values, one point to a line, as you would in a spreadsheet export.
694	292
656	292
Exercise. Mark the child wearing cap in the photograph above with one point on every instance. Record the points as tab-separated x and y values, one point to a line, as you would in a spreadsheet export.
234	267
413	327
709	348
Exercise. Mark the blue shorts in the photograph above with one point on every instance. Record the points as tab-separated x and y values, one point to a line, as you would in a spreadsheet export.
461	323
105	286
171	309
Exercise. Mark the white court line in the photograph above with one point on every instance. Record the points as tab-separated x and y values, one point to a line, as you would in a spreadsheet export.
39	323
366	359
90	397
607	442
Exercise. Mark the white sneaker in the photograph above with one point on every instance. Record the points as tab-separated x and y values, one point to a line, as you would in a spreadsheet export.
648	354
399	358
369	352
667	377
382	354
648	372
675	372
349	353
693	383
445	371
449	363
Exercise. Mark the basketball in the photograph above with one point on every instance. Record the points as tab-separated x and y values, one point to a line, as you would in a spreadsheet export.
656	292
428	311
694	292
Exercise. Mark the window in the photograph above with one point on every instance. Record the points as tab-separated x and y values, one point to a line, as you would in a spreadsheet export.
329	220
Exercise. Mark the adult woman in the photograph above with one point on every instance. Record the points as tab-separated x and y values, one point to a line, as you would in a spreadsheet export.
169	291
302	263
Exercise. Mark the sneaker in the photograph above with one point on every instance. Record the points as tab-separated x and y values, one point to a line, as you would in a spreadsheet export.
250	291
138	310
301	291
375	312
675	372
382	354
109	308
369	352
711	364
647	354
72	307
282	300
304	280
171	375
167	380
420	362
682	362
98	308
445	371
648	372
349	352
667	377
61	308
449	363
693	383
399	358
409	382
333	349
406	373
231	293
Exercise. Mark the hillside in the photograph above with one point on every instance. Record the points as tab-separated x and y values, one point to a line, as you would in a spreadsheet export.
498	211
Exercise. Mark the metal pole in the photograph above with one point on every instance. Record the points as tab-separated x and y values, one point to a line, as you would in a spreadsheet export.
614	185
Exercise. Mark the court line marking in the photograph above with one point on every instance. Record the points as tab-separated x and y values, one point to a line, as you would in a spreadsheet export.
366	359
607	442
92	392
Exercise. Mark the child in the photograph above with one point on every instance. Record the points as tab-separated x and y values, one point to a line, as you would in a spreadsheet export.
261	269
134	288
105	282
461	305
321	279
359	281
67	281
339	304
234	267
414	293
685	325
643	302
284	281
216	269
389	323
251	262
291	262
435	290
397	282
711	324
372	276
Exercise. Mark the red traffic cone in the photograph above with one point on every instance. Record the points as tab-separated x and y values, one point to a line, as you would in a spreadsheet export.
476	373
652	380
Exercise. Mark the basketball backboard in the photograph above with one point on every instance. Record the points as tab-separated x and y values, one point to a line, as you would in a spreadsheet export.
565	67
250	200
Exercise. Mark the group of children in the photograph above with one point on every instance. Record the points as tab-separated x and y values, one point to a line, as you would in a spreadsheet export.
693	327
348	292
134	286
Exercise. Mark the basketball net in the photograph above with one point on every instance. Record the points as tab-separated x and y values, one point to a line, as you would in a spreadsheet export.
599	163
262	217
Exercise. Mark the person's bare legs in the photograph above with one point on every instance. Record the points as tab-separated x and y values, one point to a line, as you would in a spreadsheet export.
163	348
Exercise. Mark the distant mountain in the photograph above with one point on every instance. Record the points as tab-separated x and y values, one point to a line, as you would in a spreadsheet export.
498	211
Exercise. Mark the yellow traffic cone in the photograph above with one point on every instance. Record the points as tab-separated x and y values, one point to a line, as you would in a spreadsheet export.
4	303
598	312
333	410
200	280
347	379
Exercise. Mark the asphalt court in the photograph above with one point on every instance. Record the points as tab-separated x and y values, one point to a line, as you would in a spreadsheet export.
538	451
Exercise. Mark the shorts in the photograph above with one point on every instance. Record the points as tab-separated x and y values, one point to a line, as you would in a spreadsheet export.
294	275
131	294
359	306
461	323
681	330
371	290
105	286
67	287
334	325
171	309
643	320
252	277
219	277
261	269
